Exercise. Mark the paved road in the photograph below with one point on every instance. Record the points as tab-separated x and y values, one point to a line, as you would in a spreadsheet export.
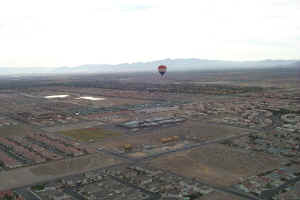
222	189
119	155
74	194
152	196
122	156
194	146
28	195
23	190
235	192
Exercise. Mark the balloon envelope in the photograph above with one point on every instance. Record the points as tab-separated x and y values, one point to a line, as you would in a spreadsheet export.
162	69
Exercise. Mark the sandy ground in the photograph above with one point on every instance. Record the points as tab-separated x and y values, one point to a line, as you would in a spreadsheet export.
217	195
29	175
217	164
204	131
19	130
79	125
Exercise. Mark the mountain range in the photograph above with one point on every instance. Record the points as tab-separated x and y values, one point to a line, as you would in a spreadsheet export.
173	65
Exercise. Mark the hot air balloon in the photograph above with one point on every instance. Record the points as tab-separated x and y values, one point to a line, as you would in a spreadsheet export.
162	69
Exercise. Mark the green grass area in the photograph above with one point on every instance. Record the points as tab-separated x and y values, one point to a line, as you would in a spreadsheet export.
88	134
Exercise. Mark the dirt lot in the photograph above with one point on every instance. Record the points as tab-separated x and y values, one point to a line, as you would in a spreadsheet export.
203	131
29	175
216	195
217	164
94	134
15	130
67	127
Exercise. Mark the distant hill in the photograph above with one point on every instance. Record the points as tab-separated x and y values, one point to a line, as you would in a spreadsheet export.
296	64
173	65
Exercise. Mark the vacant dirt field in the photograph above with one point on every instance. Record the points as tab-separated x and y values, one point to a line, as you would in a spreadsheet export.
67	127
34	174
15	130
217	195
85	135
217	164
203	131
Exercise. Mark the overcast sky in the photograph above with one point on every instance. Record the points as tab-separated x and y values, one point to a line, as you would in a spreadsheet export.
54	33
